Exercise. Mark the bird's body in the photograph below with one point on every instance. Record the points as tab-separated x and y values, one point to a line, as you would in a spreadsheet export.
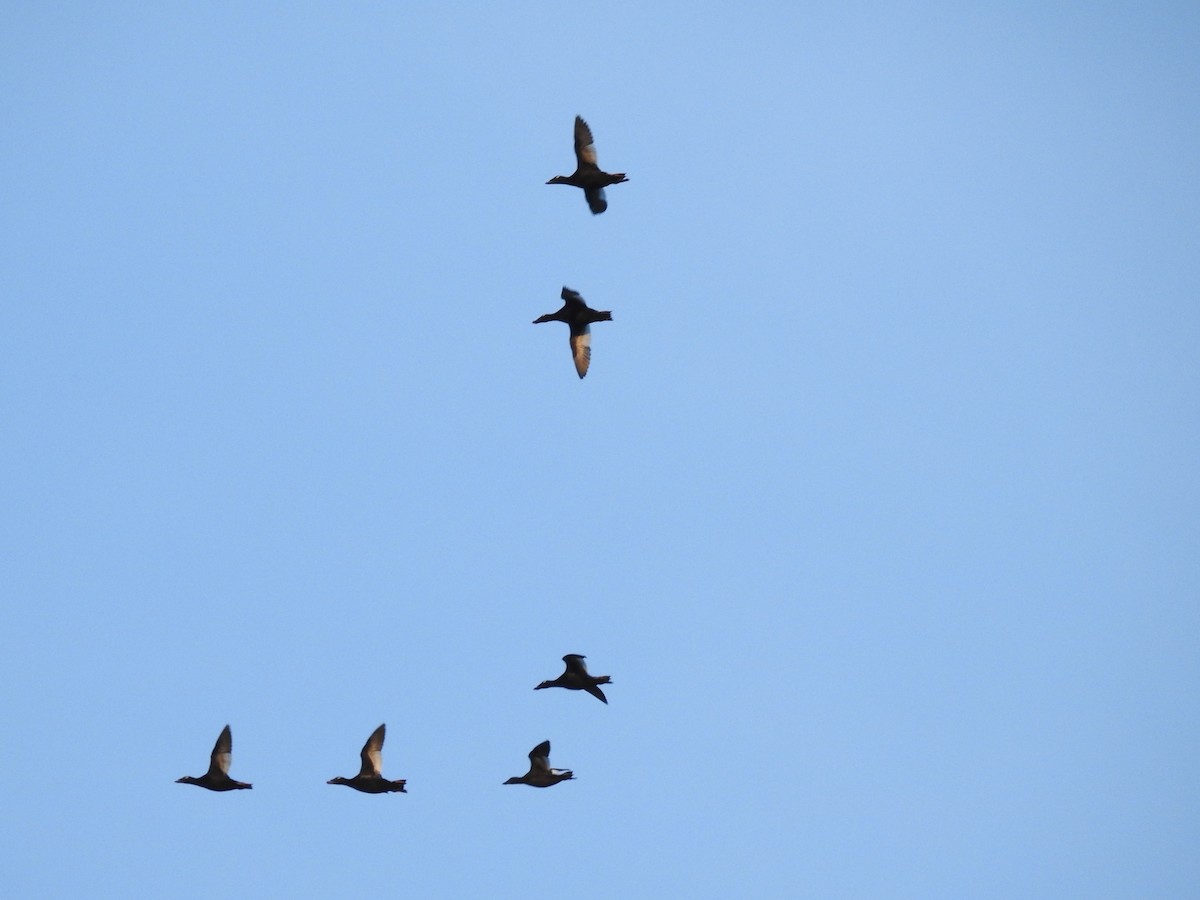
588	175
578	316
540	774
369	779
576	678
217	777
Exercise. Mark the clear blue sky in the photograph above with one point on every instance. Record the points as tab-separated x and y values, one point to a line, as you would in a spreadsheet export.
880	503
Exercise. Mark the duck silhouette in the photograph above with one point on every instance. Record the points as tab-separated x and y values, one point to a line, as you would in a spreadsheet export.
588	174
576	678
217	777
578	316
369	780
540	774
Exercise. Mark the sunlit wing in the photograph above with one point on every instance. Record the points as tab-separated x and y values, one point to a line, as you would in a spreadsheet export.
372	752
539	757
222	752
585	148
581	351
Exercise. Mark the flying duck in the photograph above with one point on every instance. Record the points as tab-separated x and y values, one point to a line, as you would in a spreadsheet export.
540	774
576	678
587	174
217	777
578	316
369	780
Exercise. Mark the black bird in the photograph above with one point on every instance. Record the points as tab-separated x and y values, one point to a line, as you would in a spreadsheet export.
578	315
576	678
369	780
587	174
217	777
540	774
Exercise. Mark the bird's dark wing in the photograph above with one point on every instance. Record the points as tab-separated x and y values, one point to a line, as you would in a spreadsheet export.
596	692
596	200
573	298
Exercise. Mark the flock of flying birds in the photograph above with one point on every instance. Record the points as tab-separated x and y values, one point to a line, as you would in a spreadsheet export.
370	778
575	311
578	316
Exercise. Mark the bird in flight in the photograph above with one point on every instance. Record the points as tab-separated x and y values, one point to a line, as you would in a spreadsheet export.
217	777
578	316
588	174
369	779
540	774
576	678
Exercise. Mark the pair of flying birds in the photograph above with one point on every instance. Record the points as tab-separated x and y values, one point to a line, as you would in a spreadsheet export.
575	312
370	778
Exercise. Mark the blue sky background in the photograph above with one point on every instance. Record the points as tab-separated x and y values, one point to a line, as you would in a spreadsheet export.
879	503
